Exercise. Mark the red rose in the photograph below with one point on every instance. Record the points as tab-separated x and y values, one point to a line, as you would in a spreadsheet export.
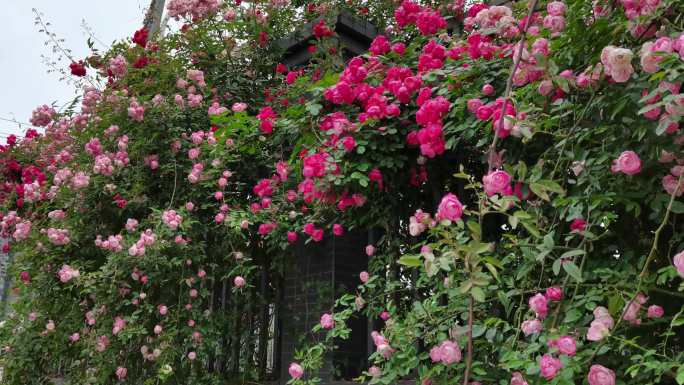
77	69
140	37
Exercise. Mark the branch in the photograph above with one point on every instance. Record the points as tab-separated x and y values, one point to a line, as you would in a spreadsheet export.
649	258
469	356
509	83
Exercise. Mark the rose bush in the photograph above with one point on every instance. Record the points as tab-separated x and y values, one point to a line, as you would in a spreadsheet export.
526	174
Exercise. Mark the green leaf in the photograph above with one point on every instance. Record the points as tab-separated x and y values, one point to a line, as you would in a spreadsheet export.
474	228
410	260
492	270
680	375
478	294
572	270
556	266
540	191
677	207
551	186
513	221
531	228
572	253
572	315
314	108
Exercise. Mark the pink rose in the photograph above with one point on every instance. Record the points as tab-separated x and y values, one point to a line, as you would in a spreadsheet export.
364	276
327	321
539	305
549	366
496	182
121	373
678	262
600	375
374	371
67	273
556	8
566	345
545	87
554	293
628	163
517	379
531	326
291	236
474	104
617	63
484	112
655	311
239	282
487	89
597	331
450	208
448	352
451	353
370	250
295	370
436	353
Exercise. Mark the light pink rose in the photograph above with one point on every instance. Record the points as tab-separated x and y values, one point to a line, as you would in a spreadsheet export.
364	276
617	63
448	352
628	163
517	379
67	273
370	250
327	321
556	8
451	352
678	262
597	331
121	373
545	87
239	107
239	282
531	326
374	371
655	311
600	375
295	370
74	337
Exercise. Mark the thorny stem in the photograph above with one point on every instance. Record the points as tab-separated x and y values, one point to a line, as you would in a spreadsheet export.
490	160
469	357
509	83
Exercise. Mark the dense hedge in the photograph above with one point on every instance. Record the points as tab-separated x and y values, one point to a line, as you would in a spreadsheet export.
526	173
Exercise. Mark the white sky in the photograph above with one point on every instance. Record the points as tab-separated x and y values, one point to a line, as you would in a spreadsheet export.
24	81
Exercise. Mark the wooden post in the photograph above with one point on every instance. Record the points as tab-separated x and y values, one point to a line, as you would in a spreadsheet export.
153	16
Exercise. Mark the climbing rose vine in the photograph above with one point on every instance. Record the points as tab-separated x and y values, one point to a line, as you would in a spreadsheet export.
521	165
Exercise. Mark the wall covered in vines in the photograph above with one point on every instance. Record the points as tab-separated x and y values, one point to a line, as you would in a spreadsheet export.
522	164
